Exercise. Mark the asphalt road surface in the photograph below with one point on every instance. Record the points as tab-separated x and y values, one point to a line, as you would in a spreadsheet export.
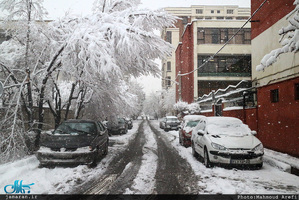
173	175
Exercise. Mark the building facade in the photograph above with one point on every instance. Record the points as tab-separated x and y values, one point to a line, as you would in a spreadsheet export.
278	85
202	31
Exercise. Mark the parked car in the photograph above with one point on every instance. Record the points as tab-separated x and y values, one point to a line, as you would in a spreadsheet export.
226	140
118	127
162	123
171	123
187	125
129	123
74	142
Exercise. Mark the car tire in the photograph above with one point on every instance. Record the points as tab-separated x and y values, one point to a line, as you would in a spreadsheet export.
166	130
259	166
194	153
206	159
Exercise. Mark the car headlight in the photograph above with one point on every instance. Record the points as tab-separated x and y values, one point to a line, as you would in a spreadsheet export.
258	148
218	146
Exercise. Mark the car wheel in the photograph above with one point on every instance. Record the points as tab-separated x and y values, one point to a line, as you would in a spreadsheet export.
194	153
259	166
206	159
166	130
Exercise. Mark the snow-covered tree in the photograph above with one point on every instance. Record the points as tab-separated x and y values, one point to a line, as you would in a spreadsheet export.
289	39
94	53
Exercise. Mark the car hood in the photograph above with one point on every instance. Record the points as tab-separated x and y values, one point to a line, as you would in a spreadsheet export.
235	142
66	141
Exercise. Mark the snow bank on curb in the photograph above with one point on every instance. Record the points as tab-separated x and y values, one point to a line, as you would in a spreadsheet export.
144	183
275	163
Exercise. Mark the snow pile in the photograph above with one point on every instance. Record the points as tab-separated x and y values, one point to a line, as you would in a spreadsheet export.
144	182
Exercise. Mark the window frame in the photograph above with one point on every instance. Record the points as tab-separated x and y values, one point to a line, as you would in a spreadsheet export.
274	96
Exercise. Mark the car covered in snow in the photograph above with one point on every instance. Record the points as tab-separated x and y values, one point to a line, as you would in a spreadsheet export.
187	125
117	127
129	122
74	142
170	123
226	140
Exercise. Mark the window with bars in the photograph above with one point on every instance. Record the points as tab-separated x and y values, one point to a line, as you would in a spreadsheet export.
274	95
296	91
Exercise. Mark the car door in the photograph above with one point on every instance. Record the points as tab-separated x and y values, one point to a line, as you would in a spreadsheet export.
103	136
199	136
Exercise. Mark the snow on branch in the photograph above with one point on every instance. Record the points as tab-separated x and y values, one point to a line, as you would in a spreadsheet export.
289	40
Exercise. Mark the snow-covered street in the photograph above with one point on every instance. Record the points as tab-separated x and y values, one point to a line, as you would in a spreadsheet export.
147	160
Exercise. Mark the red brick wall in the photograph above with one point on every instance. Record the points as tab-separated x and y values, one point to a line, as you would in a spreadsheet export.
269	14
184	60
278	123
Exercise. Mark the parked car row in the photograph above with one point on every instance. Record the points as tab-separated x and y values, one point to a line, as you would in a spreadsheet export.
79	141
218	140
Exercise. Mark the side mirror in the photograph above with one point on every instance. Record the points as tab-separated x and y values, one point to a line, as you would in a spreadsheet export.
200	133
253	132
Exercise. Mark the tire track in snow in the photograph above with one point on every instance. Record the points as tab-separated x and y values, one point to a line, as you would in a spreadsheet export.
144	183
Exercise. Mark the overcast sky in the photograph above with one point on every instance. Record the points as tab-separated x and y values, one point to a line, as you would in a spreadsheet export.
57	8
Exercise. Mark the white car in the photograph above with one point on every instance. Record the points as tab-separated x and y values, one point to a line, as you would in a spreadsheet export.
226	140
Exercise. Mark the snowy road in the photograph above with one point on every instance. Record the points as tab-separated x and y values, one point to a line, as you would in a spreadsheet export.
147	160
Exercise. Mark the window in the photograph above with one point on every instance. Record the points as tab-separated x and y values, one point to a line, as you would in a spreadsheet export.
168	81
229	18
212	11
220	18
208	17
169	66
199	17
230	11
220	36
199	11
169	36
274	96
297	91
218	11
225	66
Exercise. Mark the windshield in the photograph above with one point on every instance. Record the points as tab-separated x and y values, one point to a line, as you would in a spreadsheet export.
228	128
172	119
192	123
76	128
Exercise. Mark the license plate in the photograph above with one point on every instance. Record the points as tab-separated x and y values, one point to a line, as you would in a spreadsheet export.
239	162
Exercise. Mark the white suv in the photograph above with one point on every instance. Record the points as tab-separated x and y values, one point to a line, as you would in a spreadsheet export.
226	140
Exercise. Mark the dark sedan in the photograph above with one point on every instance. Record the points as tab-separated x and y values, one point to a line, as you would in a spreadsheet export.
74	142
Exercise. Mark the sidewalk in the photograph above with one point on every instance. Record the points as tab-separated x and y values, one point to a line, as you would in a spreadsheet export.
282	161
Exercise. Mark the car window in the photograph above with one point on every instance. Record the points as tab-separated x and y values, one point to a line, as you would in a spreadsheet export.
76	128
101	126
192	124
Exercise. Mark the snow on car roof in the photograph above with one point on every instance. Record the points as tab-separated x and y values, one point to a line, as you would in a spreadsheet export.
218	120
193	117
227	126
171	117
